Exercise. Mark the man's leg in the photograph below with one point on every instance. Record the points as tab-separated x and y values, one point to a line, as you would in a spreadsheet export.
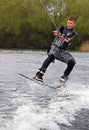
43	68
70	66
67	58
46	63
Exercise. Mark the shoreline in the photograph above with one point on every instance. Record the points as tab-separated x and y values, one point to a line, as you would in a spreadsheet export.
85	47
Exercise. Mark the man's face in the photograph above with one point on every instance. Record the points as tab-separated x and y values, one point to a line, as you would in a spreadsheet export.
70	24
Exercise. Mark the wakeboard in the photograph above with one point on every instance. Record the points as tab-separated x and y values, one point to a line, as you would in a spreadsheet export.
42	83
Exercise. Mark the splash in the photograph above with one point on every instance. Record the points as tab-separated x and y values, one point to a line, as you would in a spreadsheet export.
61	109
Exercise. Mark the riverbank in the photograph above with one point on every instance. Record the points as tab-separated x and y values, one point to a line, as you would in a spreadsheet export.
85	47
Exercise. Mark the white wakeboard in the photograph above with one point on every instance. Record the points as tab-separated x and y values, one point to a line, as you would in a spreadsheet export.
43	83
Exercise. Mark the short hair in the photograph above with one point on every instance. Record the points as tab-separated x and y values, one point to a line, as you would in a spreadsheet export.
73	18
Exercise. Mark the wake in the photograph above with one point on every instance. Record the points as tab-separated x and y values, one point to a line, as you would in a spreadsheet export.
49	109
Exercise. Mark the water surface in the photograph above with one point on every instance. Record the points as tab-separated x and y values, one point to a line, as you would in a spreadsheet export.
25	105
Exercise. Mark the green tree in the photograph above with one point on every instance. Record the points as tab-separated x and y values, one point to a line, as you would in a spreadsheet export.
29	23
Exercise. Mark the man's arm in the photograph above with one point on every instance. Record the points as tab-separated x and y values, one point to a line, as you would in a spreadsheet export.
61	37
58	33
74	35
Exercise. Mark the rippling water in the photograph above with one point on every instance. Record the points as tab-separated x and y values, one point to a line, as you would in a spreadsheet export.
25	105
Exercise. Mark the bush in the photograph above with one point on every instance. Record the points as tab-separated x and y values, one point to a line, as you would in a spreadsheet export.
29	24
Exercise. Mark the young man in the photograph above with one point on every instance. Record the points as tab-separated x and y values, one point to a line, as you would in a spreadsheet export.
64	35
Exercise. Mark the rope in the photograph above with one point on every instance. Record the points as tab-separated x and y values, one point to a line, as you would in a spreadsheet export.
48	14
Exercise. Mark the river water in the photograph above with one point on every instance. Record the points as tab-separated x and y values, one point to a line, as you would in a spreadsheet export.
25	105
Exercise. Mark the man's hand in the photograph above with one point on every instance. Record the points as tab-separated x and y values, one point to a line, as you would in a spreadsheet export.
56	34
61	37
66	40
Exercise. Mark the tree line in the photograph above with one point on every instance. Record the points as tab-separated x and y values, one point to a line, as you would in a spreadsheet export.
27	24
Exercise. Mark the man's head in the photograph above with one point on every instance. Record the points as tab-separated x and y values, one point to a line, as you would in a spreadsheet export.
71	22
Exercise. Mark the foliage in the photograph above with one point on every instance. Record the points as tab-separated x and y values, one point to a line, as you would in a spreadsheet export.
29	23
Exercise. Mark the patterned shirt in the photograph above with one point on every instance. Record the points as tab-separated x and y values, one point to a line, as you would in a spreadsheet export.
69	34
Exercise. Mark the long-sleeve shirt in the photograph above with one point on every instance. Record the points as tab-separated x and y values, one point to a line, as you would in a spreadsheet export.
69	34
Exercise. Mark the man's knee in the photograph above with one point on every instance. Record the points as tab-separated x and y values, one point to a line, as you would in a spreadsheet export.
51	57
71	62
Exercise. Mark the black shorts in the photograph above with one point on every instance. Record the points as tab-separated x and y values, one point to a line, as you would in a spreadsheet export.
61	55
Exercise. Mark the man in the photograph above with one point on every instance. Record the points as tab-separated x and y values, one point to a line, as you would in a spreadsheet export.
64	36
